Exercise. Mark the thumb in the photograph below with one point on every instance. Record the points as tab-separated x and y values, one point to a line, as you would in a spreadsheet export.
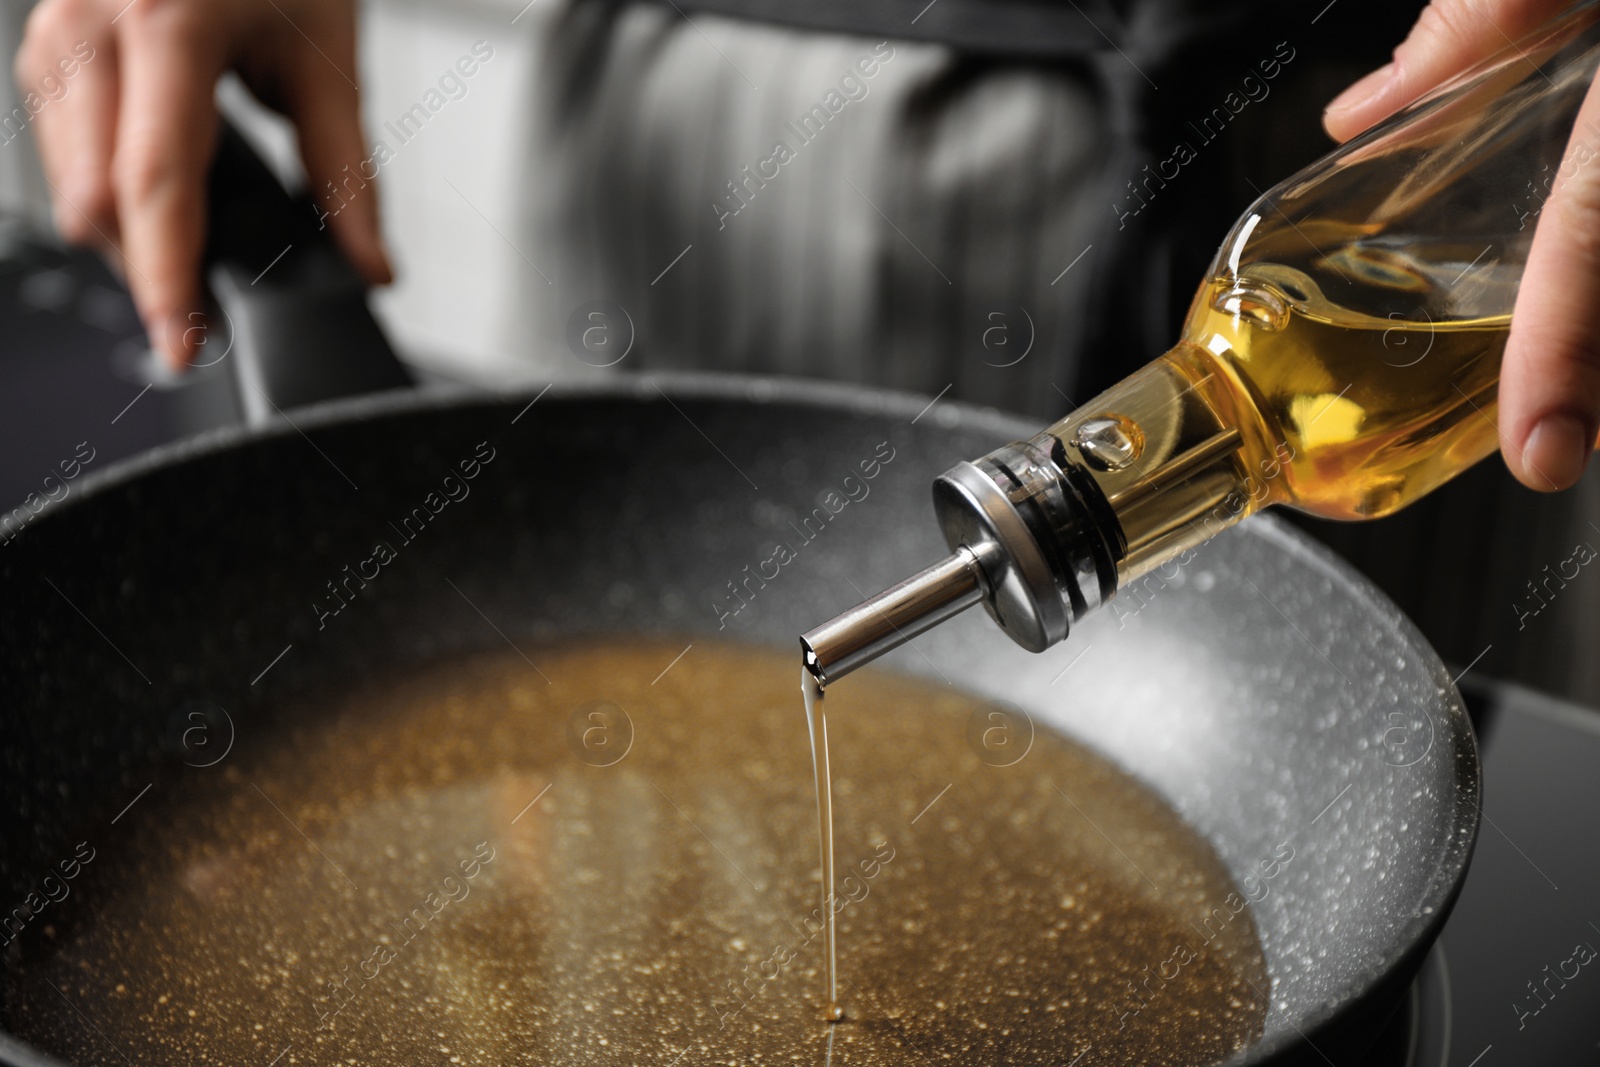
1550	376
1449	37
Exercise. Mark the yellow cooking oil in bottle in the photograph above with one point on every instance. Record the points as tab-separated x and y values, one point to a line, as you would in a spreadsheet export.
1345	385
1342	355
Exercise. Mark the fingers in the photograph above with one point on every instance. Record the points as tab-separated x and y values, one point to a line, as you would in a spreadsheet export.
127	141
67	69
166	135
1550	375
1549	400
1449	36
325	105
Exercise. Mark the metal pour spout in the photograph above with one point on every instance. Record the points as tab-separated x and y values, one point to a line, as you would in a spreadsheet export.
1031	540
893	617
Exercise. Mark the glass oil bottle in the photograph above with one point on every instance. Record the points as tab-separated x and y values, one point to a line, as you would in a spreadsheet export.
1342	357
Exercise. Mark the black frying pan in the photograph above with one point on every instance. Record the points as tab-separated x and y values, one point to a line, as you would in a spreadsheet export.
1267	692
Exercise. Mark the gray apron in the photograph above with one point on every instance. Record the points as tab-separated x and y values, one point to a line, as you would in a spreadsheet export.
733	194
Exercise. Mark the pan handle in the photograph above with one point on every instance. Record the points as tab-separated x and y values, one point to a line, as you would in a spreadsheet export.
301	328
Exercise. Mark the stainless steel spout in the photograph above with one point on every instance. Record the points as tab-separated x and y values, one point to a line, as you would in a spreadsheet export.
1032	541
894	616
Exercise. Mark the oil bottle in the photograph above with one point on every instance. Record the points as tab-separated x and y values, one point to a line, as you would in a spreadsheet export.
1342	357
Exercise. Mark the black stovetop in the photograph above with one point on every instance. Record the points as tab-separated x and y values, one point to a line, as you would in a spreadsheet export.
1509	981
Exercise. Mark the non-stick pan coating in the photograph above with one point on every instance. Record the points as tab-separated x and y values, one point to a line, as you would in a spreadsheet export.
1270	694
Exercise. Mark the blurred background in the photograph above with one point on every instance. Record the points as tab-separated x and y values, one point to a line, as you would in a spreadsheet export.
981	242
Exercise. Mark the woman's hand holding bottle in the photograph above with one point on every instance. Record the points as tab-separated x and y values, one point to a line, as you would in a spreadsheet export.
1550	377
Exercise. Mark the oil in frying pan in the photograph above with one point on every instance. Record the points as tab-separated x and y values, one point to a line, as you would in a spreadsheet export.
469	864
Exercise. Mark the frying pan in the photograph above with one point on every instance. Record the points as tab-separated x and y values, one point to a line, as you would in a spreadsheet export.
1265	690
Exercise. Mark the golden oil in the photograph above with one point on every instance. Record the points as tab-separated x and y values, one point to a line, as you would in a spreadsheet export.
433	867
1344	385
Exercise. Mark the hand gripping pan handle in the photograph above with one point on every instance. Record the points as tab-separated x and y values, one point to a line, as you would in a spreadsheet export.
301	330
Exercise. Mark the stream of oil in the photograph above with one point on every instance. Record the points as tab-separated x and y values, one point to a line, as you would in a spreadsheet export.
465	863
817	727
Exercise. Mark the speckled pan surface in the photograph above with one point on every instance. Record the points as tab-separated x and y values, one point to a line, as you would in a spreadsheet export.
1277	701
